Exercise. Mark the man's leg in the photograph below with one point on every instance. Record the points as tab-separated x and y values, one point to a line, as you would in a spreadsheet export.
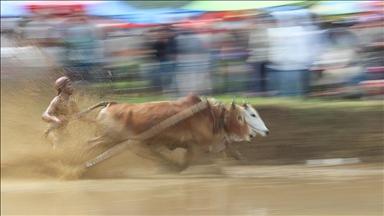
257	77
57	137
54	139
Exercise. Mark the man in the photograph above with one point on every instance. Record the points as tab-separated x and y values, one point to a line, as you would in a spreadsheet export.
259	50
193	63
164	47
60	109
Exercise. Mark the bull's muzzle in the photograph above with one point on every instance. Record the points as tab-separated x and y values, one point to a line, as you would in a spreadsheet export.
262	133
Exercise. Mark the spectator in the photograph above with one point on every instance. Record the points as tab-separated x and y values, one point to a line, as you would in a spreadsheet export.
193	64
79	35
164	46
294	45
258	48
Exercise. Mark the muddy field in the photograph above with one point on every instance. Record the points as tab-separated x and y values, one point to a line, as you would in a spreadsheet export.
37	180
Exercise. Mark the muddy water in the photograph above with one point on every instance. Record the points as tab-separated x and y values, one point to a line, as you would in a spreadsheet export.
324	191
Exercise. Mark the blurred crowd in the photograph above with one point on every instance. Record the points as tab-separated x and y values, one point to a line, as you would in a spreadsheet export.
285	53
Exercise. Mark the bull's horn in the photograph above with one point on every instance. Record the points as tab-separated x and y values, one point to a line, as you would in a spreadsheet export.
233	101
245	104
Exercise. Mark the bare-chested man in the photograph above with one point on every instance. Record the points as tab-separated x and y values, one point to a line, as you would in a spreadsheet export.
60	109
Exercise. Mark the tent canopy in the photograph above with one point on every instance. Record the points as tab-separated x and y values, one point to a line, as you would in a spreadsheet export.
123	11
13	9
234	5
330	8
158	16
110	8
175	15
282	8
55	7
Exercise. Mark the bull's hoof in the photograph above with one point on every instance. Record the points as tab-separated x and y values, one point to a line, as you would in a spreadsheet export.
90	146
73	174
243	161
183	167
240	159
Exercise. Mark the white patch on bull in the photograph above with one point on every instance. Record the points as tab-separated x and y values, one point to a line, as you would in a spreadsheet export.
254	121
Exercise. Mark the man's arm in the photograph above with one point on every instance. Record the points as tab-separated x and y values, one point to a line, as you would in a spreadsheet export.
48	115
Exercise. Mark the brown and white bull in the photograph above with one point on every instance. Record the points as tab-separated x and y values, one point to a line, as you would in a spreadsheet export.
214	124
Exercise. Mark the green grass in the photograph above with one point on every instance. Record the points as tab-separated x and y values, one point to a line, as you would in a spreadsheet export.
137	99
123	84
293	103
297	102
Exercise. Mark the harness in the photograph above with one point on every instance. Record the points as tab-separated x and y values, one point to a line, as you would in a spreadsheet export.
173	120
219	123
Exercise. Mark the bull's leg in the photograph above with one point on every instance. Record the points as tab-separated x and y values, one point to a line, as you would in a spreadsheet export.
226	145
146	152
189	155
99	130
219	146
98	140
235	153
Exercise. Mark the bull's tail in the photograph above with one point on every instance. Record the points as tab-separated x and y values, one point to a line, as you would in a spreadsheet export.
89	109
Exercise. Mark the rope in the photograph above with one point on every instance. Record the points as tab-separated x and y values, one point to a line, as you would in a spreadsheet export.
172	120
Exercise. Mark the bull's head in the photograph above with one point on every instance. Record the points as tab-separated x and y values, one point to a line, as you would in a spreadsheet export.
253	120
236	125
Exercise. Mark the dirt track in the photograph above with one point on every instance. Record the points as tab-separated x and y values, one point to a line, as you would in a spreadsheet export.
336	191
37	180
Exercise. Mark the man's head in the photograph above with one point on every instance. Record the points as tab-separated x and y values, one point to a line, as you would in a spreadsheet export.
63	84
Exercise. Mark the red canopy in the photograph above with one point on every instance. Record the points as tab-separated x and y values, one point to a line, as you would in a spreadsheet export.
115	24
194	24
211	16
57	7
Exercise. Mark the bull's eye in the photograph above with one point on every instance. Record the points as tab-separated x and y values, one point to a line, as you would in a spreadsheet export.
240	118
253	115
